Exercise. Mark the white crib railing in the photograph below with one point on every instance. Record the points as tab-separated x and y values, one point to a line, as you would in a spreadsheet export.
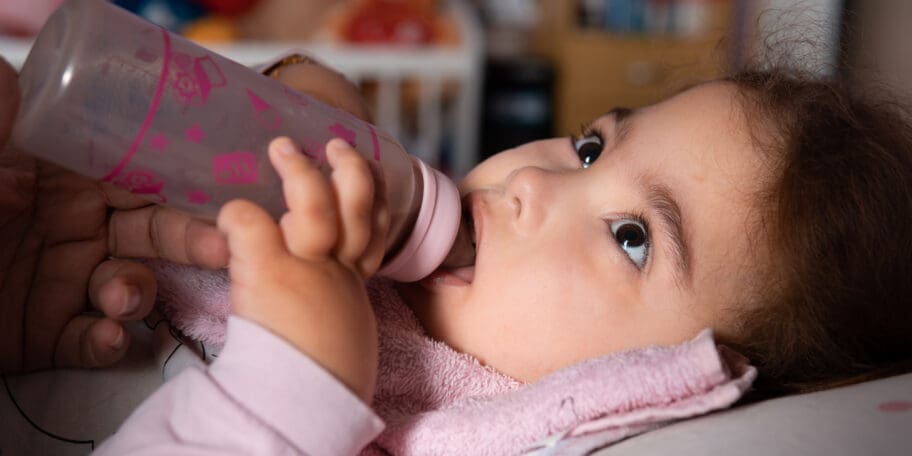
441	123
431	68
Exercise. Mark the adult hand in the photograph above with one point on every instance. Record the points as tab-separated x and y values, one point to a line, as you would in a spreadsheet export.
63	238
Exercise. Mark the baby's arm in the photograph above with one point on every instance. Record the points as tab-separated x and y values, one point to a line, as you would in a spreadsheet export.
302	280
262	396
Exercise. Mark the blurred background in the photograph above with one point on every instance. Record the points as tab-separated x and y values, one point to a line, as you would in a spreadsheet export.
459	80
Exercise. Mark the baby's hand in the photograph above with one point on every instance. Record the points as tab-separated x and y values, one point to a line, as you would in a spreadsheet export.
303	278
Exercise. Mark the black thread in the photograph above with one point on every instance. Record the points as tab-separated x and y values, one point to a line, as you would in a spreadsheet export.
179	345
35	425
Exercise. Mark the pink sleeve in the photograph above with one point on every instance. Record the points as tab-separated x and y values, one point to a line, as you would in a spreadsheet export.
262	396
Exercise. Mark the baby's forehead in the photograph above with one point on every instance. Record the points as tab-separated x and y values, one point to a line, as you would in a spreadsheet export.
708	156
706	121
710	98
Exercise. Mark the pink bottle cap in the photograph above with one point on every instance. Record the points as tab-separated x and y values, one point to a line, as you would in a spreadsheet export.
434	233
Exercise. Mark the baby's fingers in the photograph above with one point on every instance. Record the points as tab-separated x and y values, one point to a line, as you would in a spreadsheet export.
253	236
380	220
310	226
354	184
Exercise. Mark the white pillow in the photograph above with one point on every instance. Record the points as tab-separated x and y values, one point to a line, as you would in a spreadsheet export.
872	418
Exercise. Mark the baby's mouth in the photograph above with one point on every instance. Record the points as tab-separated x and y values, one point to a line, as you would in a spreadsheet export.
464	247
459	266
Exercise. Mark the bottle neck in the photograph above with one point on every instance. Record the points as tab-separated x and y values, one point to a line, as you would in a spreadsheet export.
401	229
433	232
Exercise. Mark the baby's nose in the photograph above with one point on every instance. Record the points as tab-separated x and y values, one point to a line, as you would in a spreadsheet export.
531	191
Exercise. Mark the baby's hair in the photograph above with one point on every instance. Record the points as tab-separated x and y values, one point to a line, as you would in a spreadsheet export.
834	307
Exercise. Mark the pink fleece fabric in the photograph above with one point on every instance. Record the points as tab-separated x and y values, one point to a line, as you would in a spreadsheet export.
435	400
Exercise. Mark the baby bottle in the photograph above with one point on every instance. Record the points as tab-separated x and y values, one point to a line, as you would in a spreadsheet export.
116	98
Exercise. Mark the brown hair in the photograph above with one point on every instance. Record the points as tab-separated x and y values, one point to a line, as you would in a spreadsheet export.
839	309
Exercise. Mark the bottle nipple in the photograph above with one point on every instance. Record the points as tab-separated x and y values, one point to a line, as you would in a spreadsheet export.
463	251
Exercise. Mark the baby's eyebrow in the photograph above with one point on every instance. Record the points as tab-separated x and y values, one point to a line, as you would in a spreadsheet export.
660	201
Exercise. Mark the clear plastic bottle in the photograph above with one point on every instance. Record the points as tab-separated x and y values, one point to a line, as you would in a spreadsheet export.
116	98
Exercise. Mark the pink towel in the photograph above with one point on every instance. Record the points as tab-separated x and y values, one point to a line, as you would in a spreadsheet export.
435	400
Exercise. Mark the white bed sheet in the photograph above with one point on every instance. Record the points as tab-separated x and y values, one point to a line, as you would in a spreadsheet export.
870	419
67	412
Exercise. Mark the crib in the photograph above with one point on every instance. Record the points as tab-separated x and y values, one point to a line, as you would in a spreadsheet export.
440	84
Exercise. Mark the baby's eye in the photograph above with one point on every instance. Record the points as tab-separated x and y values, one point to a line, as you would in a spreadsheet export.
588	147
633	238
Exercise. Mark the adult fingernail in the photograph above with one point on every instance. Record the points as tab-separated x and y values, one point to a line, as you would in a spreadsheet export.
131	301
119	341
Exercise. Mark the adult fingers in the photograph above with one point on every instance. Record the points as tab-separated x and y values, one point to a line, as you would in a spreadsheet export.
122	290
121	199
91	342
9	100
310	225
354	187
159	232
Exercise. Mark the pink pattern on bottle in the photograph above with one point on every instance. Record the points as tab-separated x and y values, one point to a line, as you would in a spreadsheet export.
265	114
142	182
235	168
198	197
338	130
895	406
195	134
296	97
159	142
194	78
153	107
375	143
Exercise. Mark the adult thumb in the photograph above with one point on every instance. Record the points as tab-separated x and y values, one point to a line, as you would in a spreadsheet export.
9	100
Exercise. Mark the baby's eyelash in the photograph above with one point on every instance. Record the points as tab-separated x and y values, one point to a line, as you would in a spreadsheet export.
588	144
639	217
586	130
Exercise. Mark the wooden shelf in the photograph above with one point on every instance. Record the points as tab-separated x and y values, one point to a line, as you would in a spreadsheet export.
598	70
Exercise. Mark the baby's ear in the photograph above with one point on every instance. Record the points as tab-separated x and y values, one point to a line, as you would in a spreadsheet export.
321	82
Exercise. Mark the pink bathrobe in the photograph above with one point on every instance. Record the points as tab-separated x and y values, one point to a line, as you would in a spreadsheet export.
261	396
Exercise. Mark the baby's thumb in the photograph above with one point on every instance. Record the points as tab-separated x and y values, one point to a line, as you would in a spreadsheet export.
253	236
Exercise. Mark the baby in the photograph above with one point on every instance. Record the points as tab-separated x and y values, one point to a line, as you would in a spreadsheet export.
767	206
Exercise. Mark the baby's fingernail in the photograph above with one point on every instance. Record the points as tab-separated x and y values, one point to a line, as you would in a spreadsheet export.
131	301
286	148
339	144
119	341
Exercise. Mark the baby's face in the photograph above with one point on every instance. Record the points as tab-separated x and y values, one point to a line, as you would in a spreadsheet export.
647	245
